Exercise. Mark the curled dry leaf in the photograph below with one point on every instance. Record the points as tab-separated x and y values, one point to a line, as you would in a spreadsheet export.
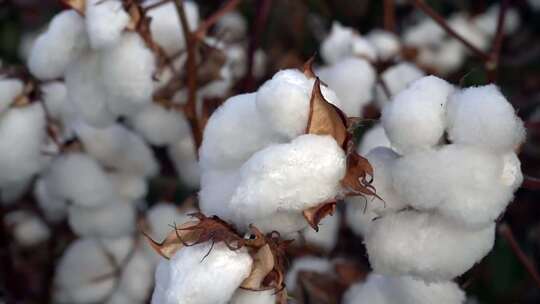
357	180
174	241
263	264
314	215
78	5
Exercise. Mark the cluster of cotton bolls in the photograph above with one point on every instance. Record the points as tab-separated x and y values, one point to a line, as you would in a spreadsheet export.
445	54
441	194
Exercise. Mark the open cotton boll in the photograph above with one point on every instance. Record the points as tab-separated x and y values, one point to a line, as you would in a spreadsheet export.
130	187
352	79
306	263
114	219
357	216
289	178
64	41
54	207
244	296
27	228
22	134
415	119
337	44
425	245
79	179
373	138
231	27
137	279
226	143
119	249
162	217
165	26
160	126
466	29
201	274
85	90
127	71
9	90
105	22
283	102
423	34
386	43
487	22
84	274
361	47
184	157
449	57
397	78
327	236
54	97
119	148
217	188
483	117
373	291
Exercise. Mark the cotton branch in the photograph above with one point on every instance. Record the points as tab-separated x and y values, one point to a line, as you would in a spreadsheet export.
493	65
206	24
263	10
389	15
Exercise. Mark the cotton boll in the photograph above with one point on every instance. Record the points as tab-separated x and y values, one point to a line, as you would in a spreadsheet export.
201	274
115	219
232	27
119	148
64	41
397	78
512	175
22	133
307	263
415	119
361	47
79	179
483	117
105	22
337	44
219	87
226	144
487	22
184	157
27	228
119	249
425	245
372	291
9	90
373	138
327	236
425	33
357	215
165	26
449	57
54	207
160	126
244	296
217	188
85	90
289	177
162	217
26	44
352	79
136	280
466	29
127	69
129	187
386	43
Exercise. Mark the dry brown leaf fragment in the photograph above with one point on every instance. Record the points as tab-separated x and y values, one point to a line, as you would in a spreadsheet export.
325	118
78	5
175	240
314	215
359	176
308	68
263	264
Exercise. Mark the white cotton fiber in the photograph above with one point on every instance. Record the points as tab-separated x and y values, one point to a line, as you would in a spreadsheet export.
201	274
306	263
64	41
9	90
84	273
512	175
482	116
22	134
105	22
425	245
337	44
466	29
362	48
425	33
86	91
160	126
119	148
217	188
487	22
289	177
127	69
54	97
231	27
373	138
128	186
53	206
11	192
415	118
357	215
244	296
80	180
373	291
165	25
27	228
397	78
386	43
352	79
137	278
114	219
327	236
162	217
184	157
233	133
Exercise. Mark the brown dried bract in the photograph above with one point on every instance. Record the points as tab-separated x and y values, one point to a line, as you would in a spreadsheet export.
357	180
78	5
314	215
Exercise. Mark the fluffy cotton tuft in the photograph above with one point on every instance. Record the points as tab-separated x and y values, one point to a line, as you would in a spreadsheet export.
184	157
386	43
201	274
9	90
105	21
415	119
343	42
114	219
373	138
482	116
397	78
160	126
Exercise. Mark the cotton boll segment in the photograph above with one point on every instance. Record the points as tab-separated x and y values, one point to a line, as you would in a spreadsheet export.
327	236
136	280
512	175
201	274
115	219
289	178
54	207
160	126
76	274
386	43
127	74
425	33
9	90
372	291
64	41
217	188
373	138
483	117
162	217
337	44
105	21
357	216
397	78
307	263
22	134
129	187
184	157
27	228
415	119
425	245
352	79
243	296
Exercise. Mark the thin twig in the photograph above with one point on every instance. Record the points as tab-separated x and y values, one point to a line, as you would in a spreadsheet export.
389	15
531	183
155	5
492	66
506	232
206	24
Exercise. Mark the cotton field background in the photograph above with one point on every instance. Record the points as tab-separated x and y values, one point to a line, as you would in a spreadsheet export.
269	151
